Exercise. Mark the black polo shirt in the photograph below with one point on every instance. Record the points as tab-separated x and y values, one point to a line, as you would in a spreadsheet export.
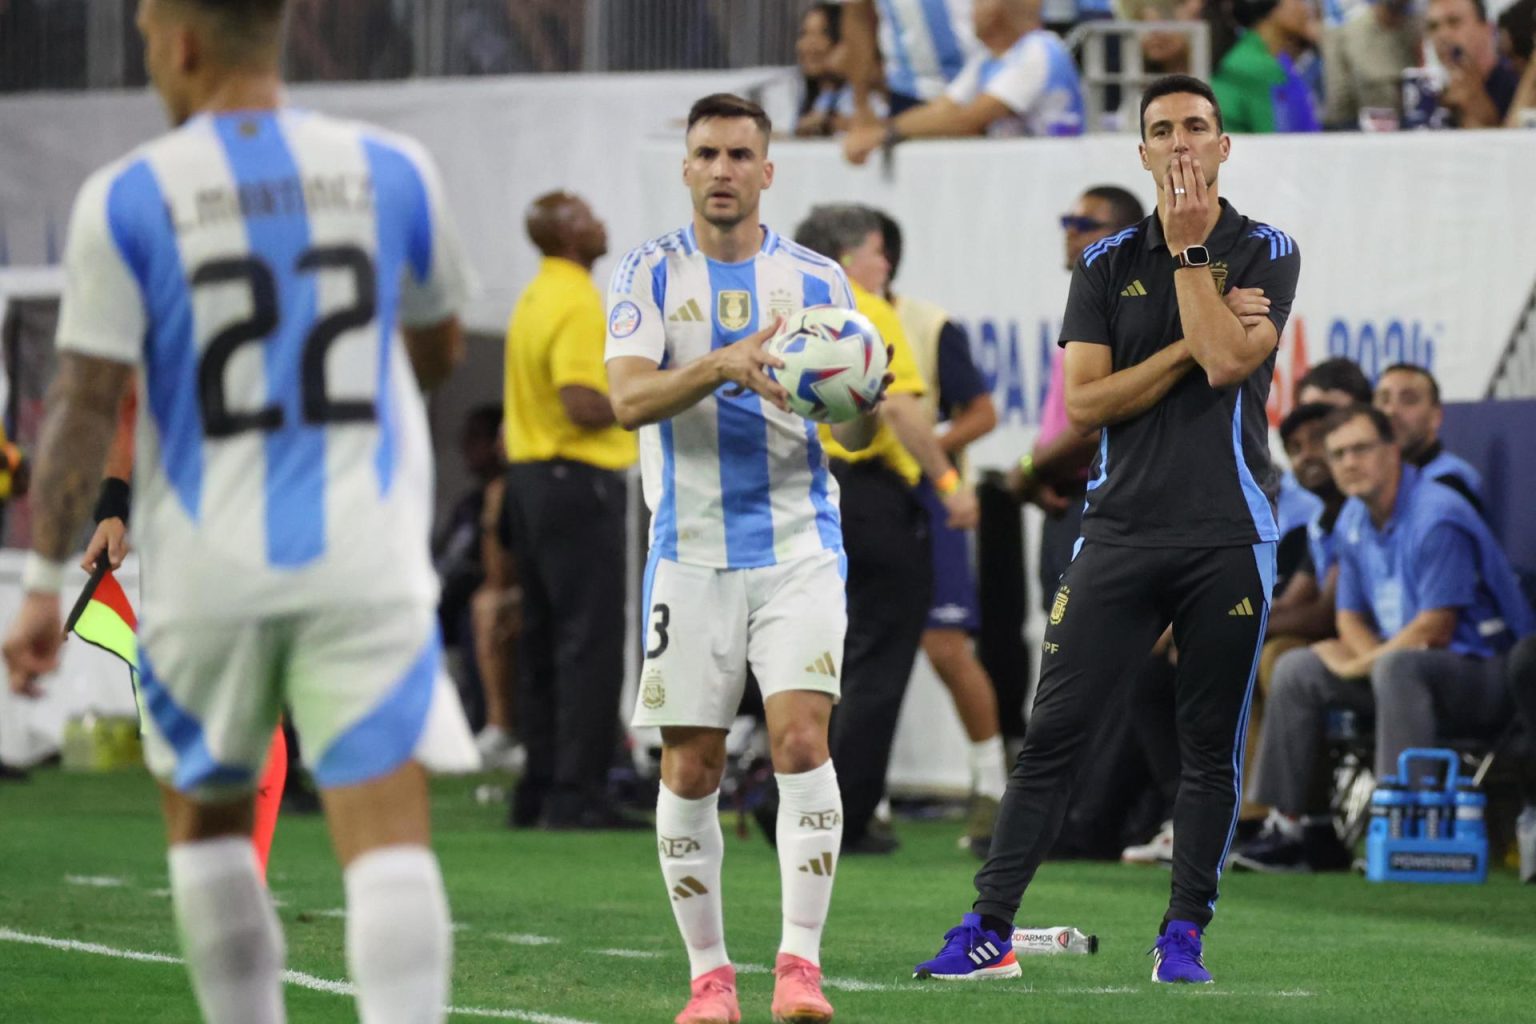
1189	471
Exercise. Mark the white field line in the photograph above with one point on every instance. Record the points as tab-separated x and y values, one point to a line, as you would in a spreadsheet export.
629	954
96	881
298	978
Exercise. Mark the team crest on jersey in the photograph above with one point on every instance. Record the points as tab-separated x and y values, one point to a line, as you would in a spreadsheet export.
1059	606
781	303
624	320
1219	275
734	309
652	694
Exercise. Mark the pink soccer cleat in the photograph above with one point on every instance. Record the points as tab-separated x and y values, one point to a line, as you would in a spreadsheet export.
797	997
714	999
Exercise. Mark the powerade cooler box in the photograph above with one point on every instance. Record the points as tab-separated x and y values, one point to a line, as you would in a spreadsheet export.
1432	831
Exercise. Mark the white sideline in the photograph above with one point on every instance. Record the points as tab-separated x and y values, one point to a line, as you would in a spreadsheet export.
299	978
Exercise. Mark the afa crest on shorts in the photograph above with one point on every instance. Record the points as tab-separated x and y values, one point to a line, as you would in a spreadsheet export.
652	693
1059	606
733	309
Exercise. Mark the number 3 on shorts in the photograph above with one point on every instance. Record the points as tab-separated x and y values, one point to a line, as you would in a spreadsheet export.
661	618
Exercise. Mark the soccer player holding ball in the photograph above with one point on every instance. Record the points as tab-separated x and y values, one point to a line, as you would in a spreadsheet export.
746	563
1177	528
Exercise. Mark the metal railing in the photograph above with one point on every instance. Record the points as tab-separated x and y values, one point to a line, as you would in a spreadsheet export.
1109	54
81	44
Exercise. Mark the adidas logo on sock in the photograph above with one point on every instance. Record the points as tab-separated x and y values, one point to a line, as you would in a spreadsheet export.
1134	290
688	888
688	312
818	866
1243	608
823	666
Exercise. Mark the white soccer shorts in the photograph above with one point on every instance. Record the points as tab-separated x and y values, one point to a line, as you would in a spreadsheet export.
705	626
363	684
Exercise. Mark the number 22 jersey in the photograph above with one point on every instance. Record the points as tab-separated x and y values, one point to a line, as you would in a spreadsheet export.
254	266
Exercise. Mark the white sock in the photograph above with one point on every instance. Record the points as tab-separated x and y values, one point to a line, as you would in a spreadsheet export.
229	931
810	835
399	939
691	847
989	775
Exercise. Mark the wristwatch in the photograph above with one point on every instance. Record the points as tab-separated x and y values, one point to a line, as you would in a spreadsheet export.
1194	256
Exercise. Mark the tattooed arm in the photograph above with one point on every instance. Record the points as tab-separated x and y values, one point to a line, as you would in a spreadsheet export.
77	431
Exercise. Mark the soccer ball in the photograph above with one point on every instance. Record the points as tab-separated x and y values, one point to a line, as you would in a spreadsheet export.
834	362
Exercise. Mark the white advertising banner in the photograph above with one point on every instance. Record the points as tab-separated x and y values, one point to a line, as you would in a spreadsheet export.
1415	248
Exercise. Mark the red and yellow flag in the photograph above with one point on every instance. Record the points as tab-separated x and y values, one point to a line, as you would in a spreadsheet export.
108	621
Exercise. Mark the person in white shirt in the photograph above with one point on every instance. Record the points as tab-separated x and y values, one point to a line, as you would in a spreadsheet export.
1023	83
923	43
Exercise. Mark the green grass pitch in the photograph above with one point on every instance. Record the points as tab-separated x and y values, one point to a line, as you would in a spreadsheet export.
559	928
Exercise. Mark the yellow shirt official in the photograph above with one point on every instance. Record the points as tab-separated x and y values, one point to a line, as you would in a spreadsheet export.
908	381
555	340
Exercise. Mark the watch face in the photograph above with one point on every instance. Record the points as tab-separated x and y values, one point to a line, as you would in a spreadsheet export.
1195	256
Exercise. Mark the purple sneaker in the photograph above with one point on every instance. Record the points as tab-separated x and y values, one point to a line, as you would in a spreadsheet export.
1176	955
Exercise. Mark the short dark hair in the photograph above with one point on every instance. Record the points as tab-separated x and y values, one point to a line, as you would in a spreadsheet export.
1337	374
835	228
1338	417
1434	385
1124	207
890	233
1248	13
1170	85
1301	416
244	27
1519	20
728	105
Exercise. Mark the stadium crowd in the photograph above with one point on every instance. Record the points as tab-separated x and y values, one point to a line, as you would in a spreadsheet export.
1001	69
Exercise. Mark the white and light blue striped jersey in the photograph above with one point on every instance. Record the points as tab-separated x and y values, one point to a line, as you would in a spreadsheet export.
732	482
1035	78
925	43
255	266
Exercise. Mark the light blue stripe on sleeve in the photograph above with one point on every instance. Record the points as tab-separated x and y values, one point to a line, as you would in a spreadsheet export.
900	78
143	235
1258	504
260	160
403	223
742	429
946	46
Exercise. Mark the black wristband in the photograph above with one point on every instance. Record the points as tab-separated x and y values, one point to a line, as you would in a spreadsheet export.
114	500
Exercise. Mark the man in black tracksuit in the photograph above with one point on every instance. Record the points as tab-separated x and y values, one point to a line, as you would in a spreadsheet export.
1177	528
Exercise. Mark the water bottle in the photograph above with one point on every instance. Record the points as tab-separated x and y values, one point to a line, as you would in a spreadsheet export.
1053	940
1525	839
1397	804
1471	805
1431	804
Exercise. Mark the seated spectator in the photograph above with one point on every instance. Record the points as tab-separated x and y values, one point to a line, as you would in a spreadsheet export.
1428	608
1481	85
1410	396
1258	82
1024	83
912	49
545	35
1334	383
828	102
1337	381
1364	58
1162	53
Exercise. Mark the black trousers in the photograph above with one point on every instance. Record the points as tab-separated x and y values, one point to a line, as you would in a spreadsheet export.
1112	604
890	587
566	524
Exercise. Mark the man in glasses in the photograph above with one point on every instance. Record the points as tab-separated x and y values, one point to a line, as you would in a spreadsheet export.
1428	608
